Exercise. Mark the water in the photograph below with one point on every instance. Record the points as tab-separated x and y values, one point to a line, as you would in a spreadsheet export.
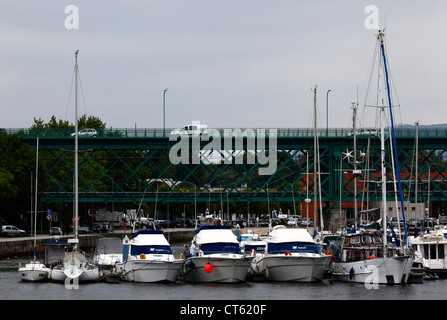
175	296
11	288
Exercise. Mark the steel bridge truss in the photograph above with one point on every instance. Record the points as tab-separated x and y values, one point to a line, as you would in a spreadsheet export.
135	169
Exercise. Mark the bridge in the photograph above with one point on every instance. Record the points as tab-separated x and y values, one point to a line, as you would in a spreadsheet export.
133	166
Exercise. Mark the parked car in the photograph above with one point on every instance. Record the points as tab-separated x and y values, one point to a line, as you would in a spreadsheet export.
9	230
415	223
293	222
393	221
443	220
86	133
83	230
100	227
55	231
307	222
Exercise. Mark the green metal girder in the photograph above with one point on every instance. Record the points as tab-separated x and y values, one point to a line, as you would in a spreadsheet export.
123	169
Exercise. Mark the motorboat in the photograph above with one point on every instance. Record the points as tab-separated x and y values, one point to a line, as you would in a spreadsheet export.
291	255
148	258
430	251
219	258
251	243
363	259
34	271
108	252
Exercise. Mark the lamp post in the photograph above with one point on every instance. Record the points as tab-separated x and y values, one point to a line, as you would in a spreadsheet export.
164	122
327	113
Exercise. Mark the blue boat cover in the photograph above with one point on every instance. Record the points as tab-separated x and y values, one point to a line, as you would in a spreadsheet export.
146	231
137	250
211	227
210	248
298	247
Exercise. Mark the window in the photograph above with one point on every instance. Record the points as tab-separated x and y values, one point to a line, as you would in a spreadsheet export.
440	251
355	240
432	251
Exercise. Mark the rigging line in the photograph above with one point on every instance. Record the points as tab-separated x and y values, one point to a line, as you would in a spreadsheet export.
82	92
69	96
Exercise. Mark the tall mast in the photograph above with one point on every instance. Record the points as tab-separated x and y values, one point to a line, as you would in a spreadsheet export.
35	197
354	117
393	135
76	205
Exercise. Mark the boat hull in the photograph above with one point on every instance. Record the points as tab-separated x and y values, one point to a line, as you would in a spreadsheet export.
89	274
292	268
34	272
149	270
224	269
391	270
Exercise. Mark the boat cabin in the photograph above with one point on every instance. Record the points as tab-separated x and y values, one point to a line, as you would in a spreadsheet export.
361	247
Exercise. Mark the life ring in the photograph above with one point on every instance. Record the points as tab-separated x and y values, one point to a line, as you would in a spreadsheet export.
287	253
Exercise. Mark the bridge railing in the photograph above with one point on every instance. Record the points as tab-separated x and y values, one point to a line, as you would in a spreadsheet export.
280	132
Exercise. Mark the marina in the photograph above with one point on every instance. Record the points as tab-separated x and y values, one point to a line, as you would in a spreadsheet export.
11	288
246	215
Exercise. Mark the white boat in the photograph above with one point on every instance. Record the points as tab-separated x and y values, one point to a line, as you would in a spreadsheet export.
219	257
108	252
430	251
75	265
362	260
34	270
251	243
364	257
291	255
149	259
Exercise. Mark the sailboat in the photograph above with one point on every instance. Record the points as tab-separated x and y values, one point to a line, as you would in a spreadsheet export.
35	271
75	265
365	256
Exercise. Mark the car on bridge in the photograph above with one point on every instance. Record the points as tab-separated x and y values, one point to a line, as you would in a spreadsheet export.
86	133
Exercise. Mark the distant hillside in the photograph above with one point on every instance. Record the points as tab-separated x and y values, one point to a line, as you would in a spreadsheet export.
430	126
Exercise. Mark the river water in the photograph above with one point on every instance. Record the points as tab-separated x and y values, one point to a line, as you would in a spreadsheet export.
182	293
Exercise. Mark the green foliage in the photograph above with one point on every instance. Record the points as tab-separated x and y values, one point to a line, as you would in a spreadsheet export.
17	159
61	127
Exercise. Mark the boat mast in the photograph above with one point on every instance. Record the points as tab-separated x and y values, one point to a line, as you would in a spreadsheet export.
393	134
382	162
354	117
316	163
76	205
35	199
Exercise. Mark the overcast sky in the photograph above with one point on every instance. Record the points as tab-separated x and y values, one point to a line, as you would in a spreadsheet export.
244	63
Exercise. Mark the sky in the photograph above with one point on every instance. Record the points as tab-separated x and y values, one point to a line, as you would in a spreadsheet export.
227	64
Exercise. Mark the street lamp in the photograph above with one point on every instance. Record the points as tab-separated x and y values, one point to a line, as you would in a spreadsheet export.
164	122
327	113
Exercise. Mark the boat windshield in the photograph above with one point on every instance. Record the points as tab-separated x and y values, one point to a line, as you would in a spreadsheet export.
210	248
137	250
299	247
